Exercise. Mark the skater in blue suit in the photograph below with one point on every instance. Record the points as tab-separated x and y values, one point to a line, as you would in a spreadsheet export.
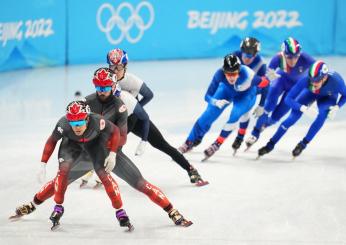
237	84
249	56
319	85
284	70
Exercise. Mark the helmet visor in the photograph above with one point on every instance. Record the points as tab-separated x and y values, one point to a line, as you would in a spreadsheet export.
292	56
231	74
119	67
103	89
317	79
77	123
247	55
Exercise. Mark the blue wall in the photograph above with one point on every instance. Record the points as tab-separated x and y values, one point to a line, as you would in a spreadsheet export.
82	31
340	27
32	33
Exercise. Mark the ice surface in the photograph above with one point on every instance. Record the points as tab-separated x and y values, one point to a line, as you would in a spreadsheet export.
270	201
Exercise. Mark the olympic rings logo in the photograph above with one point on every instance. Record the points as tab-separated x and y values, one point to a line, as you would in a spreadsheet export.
124	26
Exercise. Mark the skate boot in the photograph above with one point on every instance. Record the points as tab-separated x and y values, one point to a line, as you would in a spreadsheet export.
298	149
123	219
236	144
211	150
195	177
186	147
56	216
197	142
25	209
178	219
266	149
250	141
141	148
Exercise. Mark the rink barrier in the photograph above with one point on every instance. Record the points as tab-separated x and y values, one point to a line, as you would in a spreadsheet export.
79	32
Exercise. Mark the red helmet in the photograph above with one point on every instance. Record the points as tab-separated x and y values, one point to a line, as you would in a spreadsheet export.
77	110
104	77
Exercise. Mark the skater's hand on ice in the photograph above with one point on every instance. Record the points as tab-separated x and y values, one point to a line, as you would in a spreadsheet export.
110	162
272	75
41	175
258	111
221	103
309	111
332	111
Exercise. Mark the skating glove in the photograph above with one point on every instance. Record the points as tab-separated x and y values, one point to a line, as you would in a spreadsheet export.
332	111
140	148
117	90
220	103
41	175
258	111
110	162
309	111
272	75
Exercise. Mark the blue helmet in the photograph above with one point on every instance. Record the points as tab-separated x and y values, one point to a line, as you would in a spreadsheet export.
317	71
117	56
291	46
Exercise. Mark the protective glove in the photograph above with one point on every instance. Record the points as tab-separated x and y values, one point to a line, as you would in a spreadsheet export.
309	111
117	90
272	75
140	148
110	162
332	111
41	175
258	111
220	103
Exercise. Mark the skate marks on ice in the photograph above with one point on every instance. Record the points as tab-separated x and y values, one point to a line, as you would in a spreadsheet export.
261	202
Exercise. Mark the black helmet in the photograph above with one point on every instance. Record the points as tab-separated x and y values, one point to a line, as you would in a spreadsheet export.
250	45
231	63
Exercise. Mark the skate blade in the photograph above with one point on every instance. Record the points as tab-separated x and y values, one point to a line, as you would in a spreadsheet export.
97	186
247	148
55	227
201	183
205	158
15	217
258	157
83	185
130	228
235	152
186	223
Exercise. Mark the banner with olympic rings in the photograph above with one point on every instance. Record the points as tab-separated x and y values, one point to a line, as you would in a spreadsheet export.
37	33
153	29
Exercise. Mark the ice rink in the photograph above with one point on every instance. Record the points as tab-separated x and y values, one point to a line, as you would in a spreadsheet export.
273	200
